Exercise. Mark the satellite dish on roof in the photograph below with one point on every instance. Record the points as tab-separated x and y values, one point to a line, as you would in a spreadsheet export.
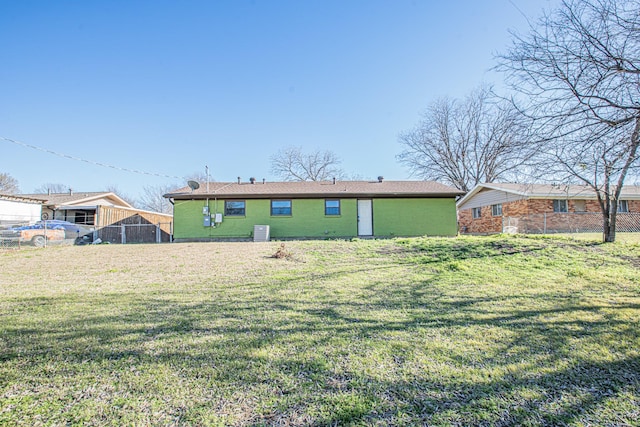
193	185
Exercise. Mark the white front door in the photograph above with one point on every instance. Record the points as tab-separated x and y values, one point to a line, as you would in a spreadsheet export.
365	218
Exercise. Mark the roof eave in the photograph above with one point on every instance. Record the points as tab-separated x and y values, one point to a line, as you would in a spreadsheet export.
200	196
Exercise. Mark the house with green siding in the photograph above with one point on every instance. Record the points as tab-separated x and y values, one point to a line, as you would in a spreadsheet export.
313	209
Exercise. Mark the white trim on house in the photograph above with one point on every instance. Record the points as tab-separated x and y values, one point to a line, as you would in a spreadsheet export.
495	193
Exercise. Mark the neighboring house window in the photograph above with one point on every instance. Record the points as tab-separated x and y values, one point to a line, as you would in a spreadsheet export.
234	208
496	210
332	207
623	206
560	206
281	207
476	212
83	217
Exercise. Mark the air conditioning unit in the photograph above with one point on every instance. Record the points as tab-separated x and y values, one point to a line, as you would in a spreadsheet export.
261	233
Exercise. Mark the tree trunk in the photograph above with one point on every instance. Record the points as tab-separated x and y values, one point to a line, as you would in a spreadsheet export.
609	226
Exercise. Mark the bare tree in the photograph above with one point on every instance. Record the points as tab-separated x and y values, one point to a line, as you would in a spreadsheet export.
152	198
292	164
152	195
8	184
579	72
52	188
463	143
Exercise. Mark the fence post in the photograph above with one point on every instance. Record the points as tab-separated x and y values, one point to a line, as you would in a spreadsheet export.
124	234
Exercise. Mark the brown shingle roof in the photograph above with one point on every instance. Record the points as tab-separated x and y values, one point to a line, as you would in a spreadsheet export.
311	189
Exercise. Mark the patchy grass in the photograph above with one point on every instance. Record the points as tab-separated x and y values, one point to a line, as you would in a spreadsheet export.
496	330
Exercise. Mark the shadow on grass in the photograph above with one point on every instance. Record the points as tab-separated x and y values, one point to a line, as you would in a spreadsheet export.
397	353
300	357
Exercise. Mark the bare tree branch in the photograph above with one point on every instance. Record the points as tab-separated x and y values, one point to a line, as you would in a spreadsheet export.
292	164
579	72
50	187
152	198
8	184
463	143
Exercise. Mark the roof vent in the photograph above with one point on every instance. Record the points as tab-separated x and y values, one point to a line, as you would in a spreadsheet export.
380	178
70	191
334	180
264	180
239	180
252	180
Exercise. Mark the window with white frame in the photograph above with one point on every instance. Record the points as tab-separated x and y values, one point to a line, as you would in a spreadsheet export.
496	210
623	206
560	206
476	212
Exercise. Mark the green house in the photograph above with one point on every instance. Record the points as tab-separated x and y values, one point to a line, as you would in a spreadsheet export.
312	209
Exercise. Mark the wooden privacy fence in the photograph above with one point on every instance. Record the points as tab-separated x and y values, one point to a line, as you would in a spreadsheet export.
124	225
134	233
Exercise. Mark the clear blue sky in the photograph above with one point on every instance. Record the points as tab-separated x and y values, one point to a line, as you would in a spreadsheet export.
171	86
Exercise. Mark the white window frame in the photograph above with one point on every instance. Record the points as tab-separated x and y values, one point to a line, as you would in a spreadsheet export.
623	206
560	206
496	210
476	213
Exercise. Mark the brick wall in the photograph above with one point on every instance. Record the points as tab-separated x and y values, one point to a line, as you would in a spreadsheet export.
536	216
487	223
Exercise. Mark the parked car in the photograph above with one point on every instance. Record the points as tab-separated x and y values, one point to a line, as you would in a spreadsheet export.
37	235
71	230
47	231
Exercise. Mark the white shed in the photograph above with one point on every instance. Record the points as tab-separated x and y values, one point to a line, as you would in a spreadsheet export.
19	210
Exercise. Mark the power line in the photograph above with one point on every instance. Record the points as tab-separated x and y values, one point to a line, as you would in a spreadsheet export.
91	162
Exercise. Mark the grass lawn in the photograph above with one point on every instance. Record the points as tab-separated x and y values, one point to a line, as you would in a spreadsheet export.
501	330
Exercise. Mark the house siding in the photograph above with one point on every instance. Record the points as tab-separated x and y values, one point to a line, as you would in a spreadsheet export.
391	217
307	220
17	212
488	197
414	217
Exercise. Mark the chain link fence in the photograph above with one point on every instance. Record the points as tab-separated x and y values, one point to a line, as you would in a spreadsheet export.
17	232
549	223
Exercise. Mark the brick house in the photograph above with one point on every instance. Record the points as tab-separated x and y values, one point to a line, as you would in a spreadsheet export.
541	208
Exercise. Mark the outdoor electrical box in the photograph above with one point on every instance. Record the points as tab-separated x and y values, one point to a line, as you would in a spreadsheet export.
207	221
218	218
205	210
